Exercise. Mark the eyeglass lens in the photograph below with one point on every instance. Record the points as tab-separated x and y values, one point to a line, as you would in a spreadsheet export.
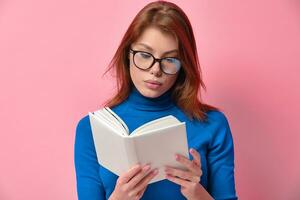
144	60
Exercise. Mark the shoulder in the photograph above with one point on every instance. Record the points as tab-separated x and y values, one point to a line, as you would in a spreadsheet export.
83	129
83	123
217	118
219	127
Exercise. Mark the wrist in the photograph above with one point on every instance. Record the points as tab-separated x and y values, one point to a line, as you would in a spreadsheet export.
202	194
111	197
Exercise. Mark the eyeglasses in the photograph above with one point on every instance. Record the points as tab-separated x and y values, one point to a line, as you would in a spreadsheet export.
144	60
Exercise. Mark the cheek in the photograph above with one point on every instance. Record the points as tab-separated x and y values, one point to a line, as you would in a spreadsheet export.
135	73
171	81
131	69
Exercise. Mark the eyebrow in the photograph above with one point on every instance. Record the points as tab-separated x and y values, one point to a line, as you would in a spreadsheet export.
149	48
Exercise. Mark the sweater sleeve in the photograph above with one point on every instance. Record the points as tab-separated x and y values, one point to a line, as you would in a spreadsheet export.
220	158
89	184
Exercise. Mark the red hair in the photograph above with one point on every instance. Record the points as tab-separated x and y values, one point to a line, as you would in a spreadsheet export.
168	17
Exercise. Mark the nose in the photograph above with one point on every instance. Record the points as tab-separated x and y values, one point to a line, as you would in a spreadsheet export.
155	69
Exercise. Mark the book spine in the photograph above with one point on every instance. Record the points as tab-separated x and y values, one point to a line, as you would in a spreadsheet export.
131	153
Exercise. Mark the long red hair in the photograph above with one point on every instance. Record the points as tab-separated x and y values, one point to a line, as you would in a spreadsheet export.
186	91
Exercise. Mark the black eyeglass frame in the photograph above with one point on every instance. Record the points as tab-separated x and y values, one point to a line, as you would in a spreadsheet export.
154	61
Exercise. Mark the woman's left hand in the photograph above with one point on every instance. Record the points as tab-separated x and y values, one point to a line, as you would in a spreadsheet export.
188	180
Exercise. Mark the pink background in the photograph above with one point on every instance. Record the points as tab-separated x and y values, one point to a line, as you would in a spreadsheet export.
52	56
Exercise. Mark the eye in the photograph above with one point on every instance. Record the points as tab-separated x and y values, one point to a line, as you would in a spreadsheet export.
171	60
144	55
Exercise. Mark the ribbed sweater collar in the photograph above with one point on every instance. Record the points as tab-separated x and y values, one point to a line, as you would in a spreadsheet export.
140	102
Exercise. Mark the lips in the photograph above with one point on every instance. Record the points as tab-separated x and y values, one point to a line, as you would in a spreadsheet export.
153	82
153	85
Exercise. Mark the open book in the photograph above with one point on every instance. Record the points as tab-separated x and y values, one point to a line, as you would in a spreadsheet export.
155	142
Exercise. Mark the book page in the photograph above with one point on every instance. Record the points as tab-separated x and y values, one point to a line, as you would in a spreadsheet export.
110	121
112	117
122	123
156	124
159	148
112	148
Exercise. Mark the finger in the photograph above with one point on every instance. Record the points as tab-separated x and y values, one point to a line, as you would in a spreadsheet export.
178	181
144	182
196	156
187	175
190	165
138	177
131	173
141	193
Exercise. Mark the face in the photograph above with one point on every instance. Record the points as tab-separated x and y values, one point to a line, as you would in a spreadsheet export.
160	45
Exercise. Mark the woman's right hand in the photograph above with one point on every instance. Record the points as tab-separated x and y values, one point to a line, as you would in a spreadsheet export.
132	184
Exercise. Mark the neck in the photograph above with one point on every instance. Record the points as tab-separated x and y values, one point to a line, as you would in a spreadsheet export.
141	102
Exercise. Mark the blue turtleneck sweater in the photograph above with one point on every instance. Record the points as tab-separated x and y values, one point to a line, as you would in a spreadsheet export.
212	139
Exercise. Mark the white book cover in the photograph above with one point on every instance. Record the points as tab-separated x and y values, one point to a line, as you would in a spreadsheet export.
155	142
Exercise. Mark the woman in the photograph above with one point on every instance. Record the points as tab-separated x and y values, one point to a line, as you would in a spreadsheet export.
158	74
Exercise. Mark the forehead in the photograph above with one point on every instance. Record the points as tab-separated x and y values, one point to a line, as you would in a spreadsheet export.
157	40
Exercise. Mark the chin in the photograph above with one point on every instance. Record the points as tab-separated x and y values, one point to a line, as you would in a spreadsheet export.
151	93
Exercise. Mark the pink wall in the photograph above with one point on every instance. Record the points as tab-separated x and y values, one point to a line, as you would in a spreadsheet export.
52	56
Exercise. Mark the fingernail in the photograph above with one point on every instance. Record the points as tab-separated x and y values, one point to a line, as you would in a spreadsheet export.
155	171
136	166
146	167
